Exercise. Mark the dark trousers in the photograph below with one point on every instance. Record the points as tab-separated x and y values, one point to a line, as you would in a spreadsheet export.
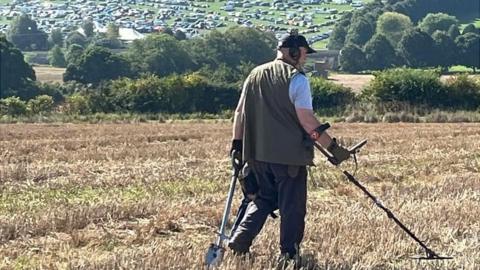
282	187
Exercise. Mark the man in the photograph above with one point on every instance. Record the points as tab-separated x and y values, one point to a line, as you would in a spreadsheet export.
274	125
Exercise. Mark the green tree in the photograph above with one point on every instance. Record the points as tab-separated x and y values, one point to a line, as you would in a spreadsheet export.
469	46
379	53
56	57
74	52
446	47
416	48
160	54
437	21
56	37
237	44
76	38
251	45
453	31
180	35
107	43
16	75
337	39
212	50
417	9
23	32
95	65
359	32
470	28
352	58
88	28
393	25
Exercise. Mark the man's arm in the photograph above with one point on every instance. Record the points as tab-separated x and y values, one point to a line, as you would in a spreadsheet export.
301	97
309	123
237	132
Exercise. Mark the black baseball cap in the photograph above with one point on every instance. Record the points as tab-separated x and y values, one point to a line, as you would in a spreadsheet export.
293	40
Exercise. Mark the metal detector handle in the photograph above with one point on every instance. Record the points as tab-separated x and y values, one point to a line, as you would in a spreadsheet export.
236	160
324	152
354	149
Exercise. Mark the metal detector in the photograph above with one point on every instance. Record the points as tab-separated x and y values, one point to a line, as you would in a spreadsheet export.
215	252
430	254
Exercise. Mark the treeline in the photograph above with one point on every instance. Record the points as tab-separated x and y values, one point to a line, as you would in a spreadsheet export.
225	58
195	93
413	33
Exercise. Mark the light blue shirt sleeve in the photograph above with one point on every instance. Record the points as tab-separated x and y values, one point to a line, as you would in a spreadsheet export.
299	92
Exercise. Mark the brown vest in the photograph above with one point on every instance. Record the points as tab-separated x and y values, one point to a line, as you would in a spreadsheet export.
272	131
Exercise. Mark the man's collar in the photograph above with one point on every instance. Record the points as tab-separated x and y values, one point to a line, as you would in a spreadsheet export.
287	62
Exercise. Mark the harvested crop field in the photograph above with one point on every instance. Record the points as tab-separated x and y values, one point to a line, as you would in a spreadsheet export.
49	74
151	195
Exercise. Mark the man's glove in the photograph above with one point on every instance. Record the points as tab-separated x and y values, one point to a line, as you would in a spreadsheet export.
338	152
236	154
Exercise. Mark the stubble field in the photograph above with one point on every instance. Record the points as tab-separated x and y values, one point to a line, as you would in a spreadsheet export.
151	195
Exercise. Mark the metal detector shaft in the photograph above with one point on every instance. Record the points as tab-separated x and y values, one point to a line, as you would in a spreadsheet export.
430	253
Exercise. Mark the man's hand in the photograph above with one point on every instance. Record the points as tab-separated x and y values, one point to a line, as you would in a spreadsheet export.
338	152
236	154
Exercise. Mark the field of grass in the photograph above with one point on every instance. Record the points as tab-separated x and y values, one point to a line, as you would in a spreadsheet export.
49	73
460	69
151	195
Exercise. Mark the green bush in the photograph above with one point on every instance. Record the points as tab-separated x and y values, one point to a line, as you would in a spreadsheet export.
463	92
172	94
413	86
52	89
13	106
40	104
327	95
210	97
77	104
423	87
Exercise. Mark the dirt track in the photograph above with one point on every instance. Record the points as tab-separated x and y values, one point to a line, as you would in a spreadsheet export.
354	81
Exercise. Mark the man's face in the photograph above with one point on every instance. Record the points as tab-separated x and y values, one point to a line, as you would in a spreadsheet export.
303	56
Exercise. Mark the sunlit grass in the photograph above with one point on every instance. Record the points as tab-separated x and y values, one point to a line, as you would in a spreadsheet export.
151	195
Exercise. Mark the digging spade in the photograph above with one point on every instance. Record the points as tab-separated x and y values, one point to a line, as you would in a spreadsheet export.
216	250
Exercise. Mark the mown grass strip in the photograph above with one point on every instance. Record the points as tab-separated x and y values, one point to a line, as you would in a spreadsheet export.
34	199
